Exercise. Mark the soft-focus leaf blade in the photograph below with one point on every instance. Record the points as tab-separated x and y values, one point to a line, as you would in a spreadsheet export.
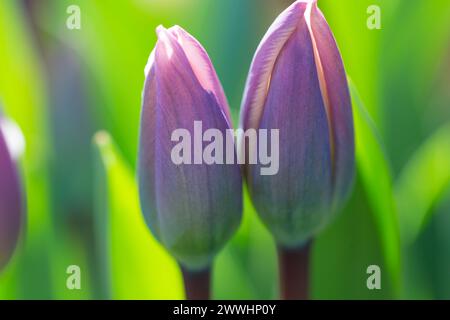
137	265
22	95
376	178
238	271
422	183
366	232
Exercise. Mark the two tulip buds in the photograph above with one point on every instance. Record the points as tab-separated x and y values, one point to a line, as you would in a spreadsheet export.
297	86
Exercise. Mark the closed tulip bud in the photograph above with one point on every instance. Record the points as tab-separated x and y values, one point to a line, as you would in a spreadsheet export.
297	84
191	207
10	190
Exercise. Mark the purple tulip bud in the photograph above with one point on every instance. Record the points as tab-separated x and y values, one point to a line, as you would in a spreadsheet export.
297	84
10	194
192	208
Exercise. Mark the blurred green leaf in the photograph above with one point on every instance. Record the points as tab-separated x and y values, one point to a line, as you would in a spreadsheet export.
376	178
414	60
427	259
360	46
422	184
366	232
22	95
402	76
137	266
70	251
114	43
344	250
247	267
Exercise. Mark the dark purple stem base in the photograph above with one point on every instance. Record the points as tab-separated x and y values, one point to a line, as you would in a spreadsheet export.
294	272
197	284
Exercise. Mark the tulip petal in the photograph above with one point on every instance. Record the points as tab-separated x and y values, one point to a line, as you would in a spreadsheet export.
337	101
202	66
264	61
10	204
146	157
295	203
194	208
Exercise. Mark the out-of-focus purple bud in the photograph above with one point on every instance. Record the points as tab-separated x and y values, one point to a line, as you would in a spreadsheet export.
297	84
192	207
11	209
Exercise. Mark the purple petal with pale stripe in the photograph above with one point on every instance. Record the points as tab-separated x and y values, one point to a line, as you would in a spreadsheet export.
297	84
263	63
295	202
202	67
193	209
338	103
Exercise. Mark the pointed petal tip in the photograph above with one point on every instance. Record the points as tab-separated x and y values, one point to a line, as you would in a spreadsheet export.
166	41
178	33
160	29
307	1
309	4
303	2
264	60
176	28
164	35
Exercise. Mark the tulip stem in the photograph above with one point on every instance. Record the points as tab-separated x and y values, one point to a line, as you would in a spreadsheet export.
294	272
197	284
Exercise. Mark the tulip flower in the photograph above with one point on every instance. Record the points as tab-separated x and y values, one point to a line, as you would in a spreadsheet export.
192	208
10	195
297	84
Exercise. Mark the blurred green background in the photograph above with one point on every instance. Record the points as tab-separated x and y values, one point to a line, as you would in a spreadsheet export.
76	96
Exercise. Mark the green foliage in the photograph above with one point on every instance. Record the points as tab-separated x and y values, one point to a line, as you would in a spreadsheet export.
366	232
238	272
135	265
413	84
396	217
22	96
423	183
